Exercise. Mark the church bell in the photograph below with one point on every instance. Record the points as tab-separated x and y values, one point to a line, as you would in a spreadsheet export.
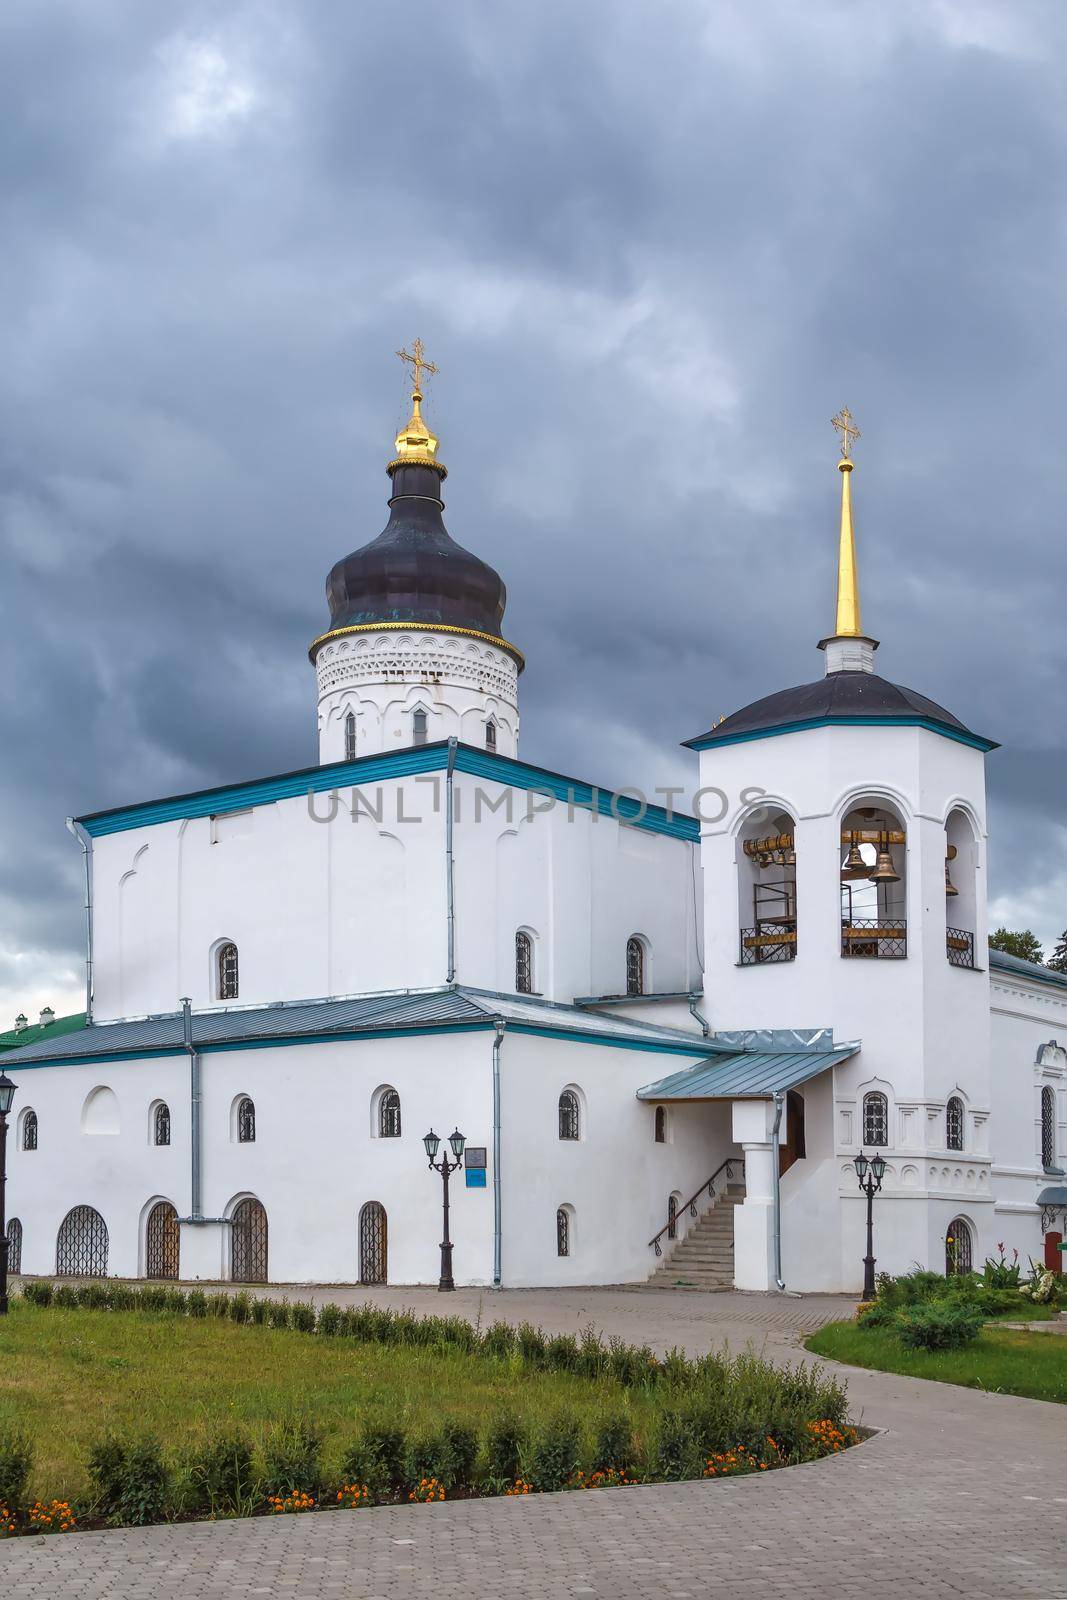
884	870
855	866
950	887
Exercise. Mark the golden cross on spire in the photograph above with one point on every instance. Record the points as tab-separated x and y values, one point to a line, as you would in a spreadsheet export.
847	429
418	364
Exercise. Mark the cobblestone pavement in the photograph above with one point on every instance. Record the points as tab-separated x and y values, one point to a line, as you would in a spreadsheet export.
962	1494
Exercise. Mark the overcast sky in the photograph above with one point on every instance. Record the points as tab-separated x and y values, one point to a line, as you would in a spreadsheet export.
652	247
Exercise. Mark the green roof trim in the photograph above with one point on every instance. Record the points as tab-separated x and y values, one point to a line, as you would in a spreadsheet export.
395	764
1020	968
36	1034
961	736
748	1075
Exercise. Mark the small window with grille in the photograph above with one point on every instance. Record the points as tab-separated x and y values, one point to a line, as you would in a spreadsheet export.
246	1122
635	966
661	1125
161	1124
419	725
524	963
570	1116
563	1232
29	1130
227	973
389	1115
350	736
954	1123
876	1119
1048	1127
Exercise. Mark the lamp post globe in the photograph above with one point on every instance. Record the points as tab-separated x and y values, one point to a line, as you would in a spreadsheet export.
458	1143
869	1174
446	1168
432	1141
7	1094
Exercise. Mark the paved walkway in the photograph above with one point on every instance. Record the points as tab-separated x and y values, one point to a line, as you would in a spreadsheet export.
962	1494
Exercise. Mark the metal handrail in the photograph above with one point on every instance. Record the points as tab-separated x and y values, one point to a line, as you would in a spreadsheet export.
690	1204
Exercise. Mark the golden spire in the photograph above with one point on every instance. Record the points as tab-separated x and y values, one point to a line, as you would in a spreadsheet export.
849	624
415	443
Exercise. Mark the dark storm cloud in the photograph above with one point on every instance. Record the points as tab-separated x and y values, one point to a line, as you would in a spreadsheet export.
652	248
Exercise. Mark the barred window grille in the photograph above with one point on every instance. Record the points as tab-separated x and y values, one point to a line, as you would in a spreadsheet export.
1048	1127
954	1124
672	1218
490	735
29	1131
418	727
81	1244
373	1243
563	1232
161	1127
246	1122
523	963
958	1252
661	1125
389	1115
227	972
162	1241
570	1117
350	736
635	966
248	1242
14	1245
876	1119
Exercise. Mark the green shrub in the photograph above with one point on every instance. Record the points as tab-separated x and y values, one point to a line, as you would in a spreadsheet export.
93	1296
131	1482
878	1314
429	1456
259	1312
504	1447
592	1356
221	1477
531	1342
631	1365
121	1297
66	1296
279	1314
241	1306
556	1453
938	1326
197	1303
677	1447
303	1316
498	1340
614	1448
177	1302
292	1458
561	1353
16	1463
38	1294
1000	1273
153	1297
218	1305
378	1458
462	1443
330	1320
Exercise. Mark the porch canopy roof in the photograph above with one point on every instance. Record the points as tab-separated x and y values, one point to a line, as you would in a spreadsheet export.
746	1075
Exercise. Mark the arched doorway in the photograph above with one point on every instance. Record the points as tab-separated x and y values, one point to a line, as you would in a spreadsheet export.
162	1241
248	1243
81	1244
14	1246
373	1244
958	1248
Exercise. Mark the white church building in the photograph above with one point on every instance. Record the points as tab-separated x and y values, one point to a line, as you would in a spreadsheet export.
665	1030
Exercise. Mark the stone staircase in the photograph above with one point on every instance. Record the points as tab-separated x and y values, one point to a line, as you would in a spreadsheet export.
704	1258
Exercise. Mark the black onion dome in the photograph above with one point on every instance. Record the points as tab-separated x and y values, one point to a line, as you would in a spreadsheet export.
415	572
844	695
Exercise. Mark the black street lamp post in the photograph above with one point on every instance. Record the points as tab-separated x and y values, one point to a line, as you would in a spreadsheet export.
870	1174
446	1169
7	1094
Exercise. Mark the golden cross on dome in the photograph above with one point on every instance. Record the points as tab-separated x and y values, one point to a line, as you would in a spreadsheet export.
847	429
418	364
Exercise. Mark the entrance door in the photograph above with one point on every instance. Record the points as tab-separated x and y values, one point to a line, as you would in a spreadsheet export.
1055	1260
162	1241
248	1242
373	1244
794	1147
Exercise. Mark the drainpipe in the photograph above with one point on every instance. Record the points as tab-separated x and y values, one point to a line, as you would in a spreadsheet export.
86	843
705	1026
779	1280
196	1198
450	860
497	1234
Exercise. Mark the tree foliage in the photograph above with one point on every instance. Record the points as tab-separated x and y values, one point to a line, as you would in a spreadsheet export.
1025	945
1058	959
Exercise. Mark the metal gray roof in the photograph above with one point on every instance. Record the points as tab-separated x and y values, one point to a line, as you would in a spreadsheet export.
1026	969
331	1019
748	1075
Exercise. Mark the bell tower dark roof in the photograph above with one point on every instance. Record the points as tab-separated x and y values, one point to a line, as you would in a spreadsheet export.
414	574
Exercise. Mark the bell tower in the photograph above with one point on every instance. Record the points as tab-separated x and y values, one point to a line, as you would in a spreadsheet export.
414	652
845	888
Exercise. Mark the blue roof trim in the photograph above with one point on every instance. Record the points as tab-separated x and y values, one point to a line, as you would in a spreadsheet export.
1030	970
749	1075
398	764
960	735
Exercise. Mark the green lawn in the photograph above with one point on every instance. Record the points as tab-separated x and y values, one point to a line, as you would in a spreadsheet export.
68	1376
1002	1360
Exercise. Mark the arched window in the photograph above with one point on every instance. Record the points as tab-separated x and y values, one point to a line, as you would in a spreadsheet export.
389	1114
672	1217
246	1121
14	1245
162	1241
954	1123
873	859
523	963
248	1242
1048	1127
227	972
661	1125
161	1124
958	1250
570	1115
635	965
876	1119
418	726
81	1244
490	735
563	1232
350	736
29	1130
373	1244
